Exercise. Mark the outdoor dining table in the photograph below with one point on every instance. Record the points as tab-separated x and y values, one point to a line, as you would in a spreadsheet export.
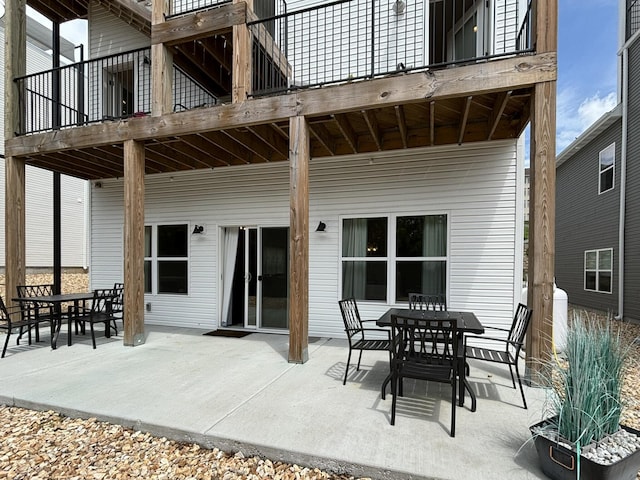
467	322
56	302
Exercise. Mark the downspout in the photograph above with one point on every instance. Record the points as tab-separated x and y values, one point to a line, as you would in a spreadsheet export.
623	179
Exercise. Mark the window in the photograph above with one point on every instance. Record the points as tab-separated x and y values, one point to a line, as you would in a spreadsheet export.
598	270
166	263
386	258
607	168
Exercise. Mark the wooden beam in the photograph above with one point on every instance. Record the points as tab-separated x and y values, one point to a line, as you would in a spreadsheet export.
477	79
541	230
199	25
242	60
402	125
347	131
14	112
272	138
432	122
499	75
14	227
545	25
323	136
374	130
464	119
497	111
133	243
299	240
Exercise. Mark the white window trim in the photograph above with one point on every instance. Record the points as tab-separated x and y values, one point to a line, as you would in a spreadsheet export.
612	167
597	270
391	257
154	258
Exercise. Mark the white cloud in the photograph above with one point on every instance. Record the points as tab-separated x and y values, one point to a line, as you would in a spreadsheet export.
572	121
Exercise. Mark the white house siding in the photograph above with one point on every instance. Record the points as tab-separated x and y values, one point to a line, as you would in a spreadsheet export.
475	185
109	35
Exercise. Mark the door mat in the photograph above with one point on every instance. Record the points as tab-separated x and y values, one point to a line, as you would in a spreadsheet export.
227	333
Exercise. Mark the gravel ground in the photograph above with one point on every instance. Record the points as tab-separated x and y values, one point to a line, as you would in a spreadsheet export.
46	445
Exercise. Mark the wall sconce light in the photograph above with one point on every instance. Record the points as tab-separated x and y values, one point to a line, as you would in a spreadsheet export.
398	7
198	229
321	227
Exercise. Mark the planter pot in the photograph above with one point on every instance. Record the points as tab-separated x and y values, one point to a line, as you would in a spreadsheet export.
561	463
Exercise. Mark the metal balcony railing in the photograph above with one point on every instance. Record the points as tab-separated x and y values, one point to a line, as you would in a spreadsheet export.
350	40
107	88
633	17
181	7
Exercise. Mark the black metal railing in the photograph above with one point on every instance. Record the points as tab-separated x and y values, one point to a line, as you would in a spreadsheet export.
107	88
633	17
524	40
350	40
181	7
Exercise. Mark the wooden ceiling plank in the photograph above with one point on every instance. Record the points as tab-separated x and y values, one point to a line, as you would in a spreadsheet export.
347	131
432	123
251	143
207	148
171	162
498	109
117	152
229	145
272	138
74	161
183	154
465	117
374	130
204	73
220	48
206	158
320	132
402	124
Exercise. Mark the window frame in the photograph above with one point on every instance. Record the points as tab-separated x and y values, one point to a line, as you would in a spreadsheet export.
598	270
612	168
392	258
155	259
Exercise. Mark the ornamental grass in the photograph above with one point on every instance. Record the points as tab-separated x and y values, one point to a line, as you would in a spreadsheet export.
588	385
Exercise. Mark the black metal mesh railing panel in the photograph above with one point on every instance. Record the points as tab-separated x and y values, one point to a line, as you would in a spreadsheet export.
633	17
180	7
106	88
188	94
349	40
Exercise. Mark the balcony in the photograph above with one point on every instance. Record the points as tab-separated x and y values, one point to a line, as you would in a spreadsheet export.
466	75
340	42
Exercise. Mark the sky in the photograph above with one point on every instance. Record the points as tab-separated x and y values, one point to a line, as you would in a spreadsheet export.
587	63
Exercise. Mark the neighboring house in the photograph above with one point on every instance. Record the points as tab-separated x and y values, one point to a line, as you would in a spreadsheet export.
406	155
39	182
598	196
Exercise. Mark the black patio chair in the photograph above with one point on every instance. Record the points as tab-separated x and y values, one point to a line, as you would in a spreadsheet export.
12	318
100	311
357	333
423	301
118	305
424	350
34	313
505	350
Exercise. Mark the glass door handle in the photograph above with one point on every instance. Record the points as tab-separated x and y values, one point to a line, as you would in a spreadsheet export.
259	278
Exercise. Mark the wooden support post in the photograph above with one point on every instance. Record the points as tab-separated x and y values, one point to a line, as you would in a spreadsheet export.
161	66
542	214
133	243
15	66
542	205
299	148
14	217
241	70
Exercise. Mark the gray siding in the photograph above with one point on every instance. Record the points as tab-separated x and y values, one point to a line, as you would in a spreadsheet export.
632	229
586	220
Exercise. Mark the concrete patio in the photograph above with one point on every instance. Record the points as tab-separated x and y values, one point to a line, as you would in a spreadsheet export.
242	394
